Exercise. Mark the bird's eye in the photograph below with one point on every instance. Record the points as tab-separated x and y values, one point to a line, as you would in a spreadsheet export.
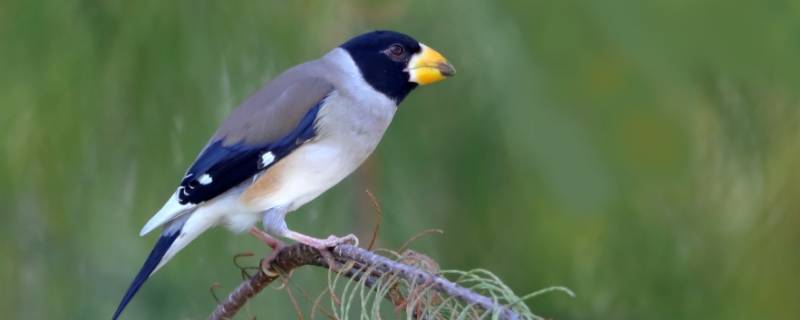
396	51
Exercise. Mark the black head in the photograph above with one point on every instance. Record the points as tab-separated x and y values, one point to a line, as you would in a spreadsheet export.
393	63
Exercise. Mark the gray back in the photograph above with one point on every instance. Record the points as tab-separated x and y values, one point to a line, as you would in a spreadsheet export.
275	110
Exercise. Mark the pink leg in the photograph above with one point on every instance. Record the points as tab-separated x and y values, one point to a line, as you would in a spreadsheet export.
273	243
321	244
268	239
275	224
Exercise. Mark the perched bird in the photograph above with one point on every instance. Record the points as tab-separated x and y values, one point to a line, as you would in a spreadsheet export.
292	140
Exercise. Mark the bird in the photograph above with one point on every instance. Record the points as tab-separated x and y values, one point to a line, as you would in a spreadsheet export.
292	140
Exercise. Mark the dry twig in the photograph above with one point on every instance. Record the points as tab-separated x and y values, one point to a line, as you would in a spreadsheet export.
291	257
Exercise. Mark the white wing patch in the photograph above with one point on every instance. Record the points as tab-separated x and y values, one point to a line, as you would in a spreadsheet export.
266	159
205	179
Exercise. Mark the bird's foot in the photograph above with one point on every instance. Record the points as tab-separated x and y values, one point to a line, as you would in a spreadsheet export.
273	243
333	241
324	245
266	263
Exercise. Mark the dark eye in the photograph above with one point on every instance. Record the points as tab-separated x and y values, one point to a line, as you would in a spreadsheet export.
396	51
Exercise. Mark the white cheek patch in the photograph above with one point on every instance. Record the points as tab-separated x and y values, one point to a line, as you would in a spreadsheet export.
266	159
205	179
412	74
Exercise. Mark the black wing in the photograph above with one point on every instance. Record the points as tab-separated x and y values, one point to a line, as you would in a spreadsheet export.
221	167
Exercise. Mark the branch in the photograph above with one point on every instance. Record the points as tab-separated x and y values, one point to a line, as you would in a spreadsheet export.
297	255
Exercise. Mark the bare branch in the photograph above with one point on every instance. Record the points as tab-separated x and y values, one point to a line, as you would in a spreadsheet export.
297	255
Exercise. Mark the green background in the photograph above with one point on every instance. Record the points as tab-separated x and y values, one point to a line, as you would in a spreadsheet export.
643	153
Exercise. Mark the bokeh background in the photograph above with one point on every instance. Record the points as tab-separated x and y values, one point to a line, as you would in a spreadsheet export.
644	154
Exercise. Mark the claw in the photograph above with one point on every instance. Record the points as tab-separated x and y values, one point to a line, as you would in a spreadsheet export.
322	244
333	241
324	247
349	239
266	267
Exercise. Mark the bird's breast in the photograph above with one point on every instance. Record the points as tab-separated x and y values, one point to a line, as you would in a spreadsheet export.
347	133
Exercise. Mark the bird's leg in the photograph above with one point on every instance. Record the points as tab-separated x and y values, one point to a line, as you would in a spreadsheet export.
273	243
321	244
266	238
274	223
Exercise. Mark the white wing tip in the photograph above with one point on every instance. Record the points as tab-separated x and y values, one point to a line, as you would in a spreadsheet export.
147	228
169	211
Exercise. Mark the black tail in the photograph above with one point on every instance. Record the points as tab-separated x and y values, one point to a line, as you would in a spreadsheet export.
164	242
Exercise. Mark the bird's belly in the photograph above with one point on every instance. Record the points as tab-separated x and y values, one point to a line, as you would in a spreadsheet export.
302	176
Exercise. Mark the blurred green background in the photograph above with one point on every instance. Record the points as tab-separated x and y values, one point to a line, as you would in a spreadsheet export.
645	155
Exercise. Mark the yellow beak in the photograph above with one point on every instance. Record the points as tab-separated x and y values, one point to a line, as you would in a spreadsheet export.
429	66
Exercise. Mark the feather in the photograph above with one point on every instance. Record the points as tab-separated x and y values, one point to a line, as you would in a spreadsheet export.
163	244
169	211
176	235
265	128
221	167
